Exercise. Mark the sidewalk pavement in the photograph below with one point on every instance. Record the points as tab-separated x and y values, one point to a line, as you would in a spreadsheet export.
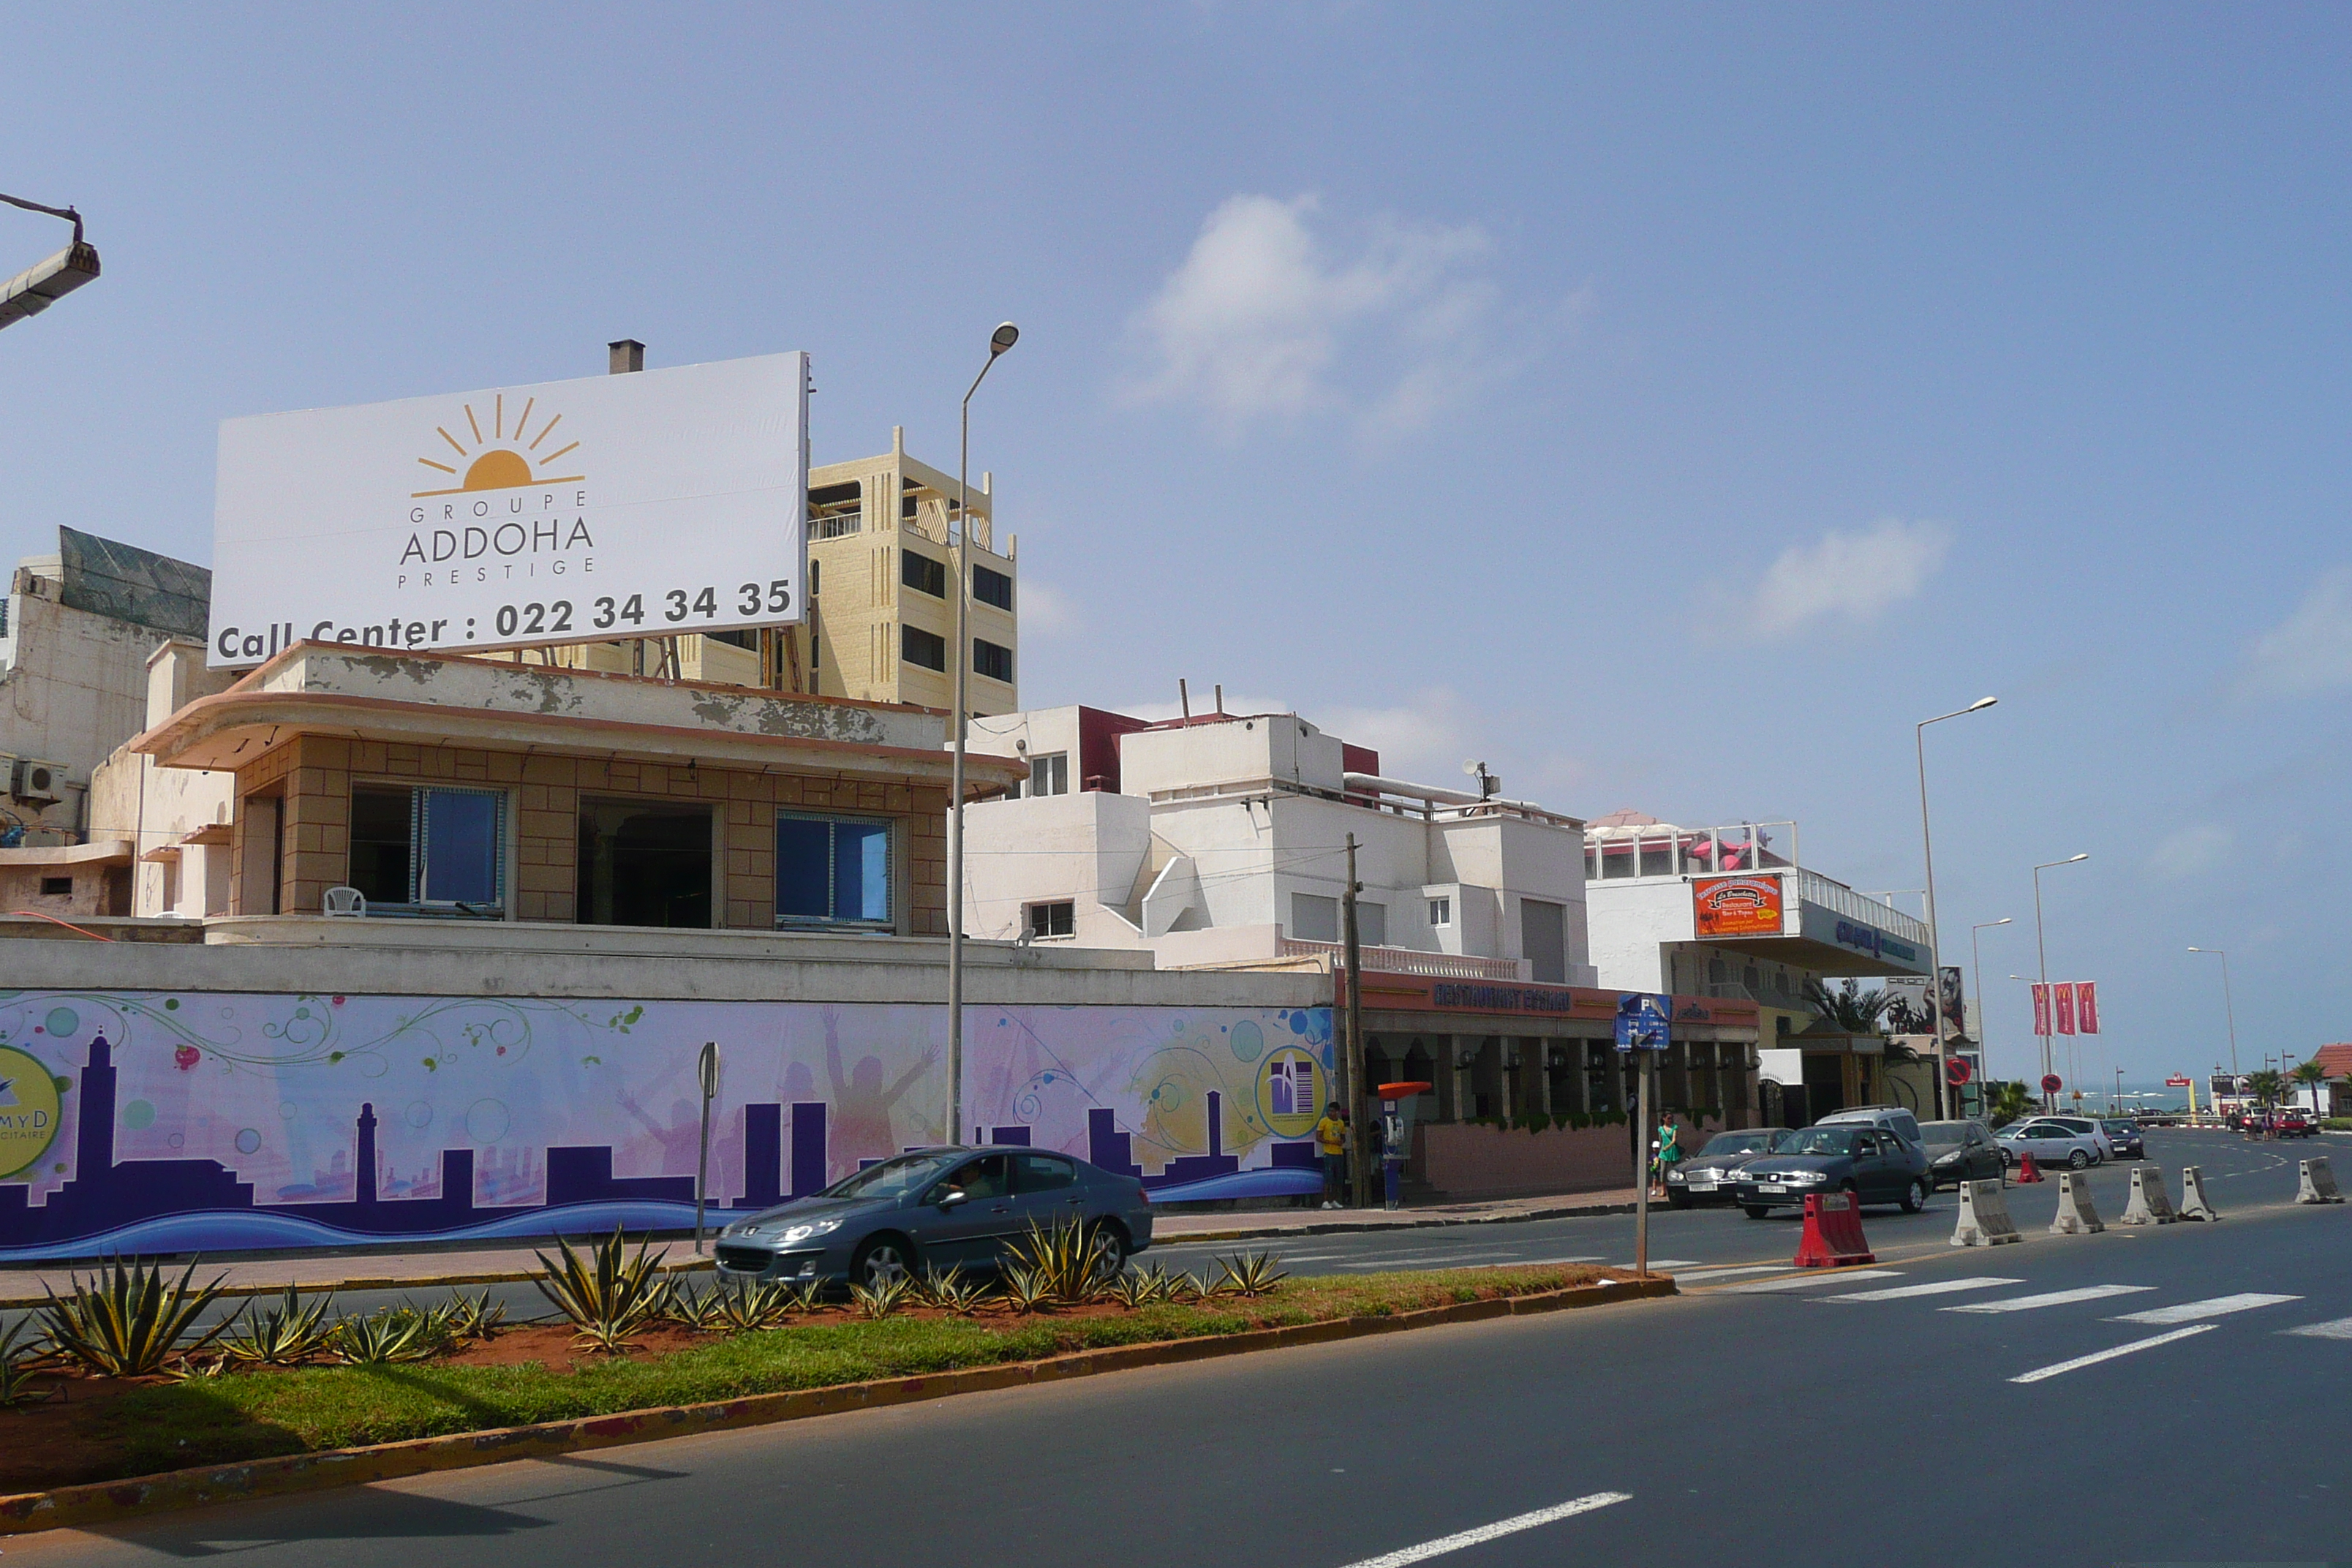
23	1285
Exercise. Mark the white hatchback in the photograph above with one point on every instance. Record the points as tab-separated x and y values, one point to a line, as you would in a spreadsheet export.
2049	1142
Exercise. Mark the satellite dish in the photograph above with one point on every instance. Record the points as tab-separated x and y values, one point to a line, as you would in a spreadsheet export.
1471	765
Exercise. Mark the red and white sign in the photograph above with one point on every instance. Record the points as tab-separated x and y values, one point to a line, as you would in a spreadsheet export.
2051	1083
1958	1071
2086	1006
2177	1080
2062	1003
2041	1009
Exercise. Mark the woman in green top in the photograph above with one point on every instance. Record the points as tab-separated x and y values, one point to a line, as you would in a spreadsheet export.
1667	1150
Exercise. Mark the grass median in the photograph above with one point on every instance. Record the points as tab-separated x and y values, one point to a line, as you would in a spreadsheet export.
108	1431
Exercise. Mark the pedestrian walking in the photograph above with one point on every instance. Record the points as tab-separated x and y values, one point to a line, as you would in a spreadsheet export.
1331	1136
1664	1152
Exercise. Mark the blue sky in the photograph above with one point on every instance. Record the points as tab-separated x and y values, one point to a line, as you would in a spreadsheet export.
1670	406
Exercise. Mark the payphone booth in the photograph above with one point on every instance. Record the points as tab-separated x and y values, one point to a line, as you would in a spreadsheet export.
1398	1101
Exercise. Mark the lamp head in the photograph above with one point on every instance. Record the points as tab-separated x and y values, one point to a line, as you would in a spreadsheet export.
2002	921
1981	703
2085	855
1003	338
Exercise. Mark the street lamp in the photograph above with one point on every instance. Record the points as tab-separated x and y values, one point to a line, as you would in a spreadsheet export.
2042	952
2228	1003
1003	338
37	288
1976	979
1935	953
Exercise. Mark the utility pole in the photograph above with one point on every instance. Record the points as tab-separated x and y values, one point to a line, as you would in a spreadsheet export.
1642	1167
1352	1070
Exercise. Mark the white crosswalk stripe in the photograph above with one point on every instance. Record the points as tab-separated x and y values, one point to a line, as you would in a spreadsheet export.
1702	1276
2050	1298
1932	1288
2341	1329
1808	1281
2096	1357
2212	1307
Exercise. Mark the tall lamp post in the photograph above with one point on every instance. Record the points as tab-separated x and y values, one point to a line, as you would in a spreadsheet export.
1935	952
1003	338
2042	955
2229	1004
38	288
1976	979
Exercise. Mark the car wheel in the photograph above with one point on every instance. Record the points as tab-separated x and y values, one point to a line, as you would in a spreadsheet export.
1677	1199
1754	1211
2078	1159
881	1260
1110	1239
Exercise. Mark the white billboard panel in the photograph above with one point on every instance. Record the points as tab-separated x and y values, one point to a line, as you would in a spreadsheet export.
614	505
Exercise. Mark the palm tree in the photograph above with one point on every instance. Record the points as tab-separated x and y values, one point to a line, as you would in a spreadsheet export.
1848	1007
2267	1085
2008	1100
2311	1074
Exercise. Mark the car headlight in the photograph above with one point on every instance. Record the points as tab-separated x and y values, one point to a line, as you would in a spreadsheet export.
1677	1174
1805	1178
803	1231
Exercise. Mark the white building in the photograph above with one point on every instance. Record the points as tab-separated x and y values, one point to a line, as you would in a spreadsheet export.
1222	839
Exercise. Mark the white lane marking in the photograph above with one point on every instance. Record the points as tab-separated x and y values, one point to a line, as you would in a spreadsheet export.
2038	1373
1932	1288
1485	1532
1668	1263
2341	1329
2214	1307
1407	1259
2050	1298
1546	1262
1705	1274
1807	1281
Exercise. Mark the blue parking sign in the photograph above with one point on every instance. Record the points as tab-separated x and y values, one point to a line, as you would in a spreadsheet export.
1642	1020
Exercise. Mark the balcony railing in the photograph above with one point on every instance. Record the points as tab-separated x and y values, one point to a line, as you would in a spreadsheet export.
1840	899
834	525
1407	960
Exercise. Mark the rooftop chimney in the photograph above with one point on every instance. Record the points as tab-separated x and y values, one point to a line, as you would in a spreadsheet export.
629	354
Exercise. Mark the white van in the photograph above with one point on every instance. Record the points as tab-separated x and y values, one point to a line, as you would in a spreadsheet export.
1895	1119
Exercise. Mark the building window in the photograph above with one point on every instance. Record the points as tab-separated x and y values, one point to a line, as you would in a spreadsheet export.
922	574
1052	920
834	511
990	660
1543	937
817	652
929	649
748	639
1441	911
1314	917
812	577
832	871
1371	924
57	887
991	586
1049	774
429	851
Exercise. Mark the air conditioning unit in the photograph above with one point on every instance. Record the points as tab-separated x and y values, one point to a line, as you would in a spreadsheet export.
38	784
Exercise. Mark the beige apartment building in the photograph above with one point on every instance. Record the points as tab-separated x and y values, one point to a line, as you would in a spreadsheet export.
880	624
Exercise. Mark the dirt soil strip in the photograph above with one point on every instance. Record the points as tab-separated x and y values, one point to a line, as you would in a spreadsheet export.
103	1503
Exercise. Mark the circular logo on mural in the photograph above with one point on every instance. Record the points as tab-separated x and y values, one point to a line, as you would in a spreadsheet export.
29	1110
1286	1093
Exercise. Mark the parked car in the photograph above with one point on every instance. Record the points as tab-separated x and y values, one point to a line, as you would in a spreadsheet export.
1960	1151
2049	1142
1875	1165
933	1209
2294	1124
2124	1135
1705	1177
2092	1127
1893	1118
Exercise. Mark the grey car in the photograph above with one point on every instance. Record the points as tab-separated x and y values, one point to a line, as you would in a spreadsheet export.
1960	1151
934	1209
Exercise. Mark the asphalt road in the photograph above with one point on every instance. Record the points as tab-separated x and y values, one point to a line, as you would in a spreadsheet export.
2142	1397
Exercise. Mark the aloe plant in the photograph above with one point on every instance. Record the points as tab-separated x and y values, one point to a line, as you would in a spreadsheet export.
1249	1274
285	1334
952	1293
474	1317
610	1295
128	1321
1134	1290
1026	1290
17	1359
1071	1262
391	1334
880	1299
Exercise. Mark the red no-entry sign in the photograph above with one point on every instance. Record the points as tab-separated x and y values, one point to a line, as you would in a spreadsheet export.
1957	1071
2051	1083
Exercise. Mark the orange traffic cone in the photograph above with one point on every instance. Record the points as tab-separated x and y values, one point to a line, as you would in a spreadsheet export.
2027	1171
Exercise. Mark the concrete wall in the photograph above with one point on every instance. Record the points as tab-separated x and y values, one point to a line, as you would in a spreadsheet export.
73	686
1631	922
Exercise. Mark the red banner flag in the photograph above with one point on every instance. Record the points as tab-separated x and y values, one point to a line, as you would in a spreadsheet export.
2041	1009
2062	1003
2086	1006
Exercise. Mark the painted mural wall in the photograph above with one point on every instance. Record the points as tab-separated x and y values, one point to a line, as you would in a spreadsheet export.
144	1121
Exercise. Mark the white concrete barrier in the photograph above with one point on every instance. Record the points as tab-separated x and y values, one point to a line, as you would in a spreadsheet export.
2150	1204
2077	1214
2194	1203
2318	1182
1984	1217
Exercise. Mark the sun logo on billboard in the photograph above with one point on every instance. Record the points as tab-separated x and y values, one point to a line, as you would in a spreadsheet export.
502	460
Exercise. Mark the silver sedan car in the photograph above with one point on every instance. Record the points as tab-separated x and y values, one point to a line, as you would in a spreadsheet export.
2049	1142
934	1209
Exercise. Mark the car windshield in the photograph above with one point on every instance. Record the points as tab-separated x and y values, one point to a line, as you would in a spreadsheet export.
1824	1141
2123	1126
891	1178
1943	1133
1736	1143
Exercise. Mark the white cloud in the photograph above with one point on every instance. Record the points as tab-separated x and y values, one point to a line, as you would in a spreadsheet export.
2311	650
1263	320
1424	740
1854	577
2192	851
1046	611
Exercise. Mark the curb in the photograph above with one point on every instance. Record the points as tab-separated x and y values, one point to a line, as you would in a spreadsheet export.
1578	1211
99	1504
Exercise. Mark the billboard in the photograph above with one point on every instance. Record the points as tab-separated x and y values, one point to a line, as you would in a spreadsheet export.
1908	1008
1737	906
611	507
167	1122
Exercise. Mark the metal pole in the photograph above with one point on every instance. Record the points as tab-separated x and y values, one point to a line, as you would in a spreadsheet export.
1353	955
2042	955
1641	1175
707	1075
1976	978
2230	1006
1935	933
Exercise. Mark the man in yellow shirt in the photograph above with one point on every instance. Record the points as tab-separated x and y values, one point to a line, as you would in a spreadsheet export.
1331	1136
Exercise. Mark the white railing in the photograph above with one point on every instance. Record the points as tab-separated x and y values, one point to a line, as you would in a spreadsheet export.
1407	960
836	525
1840	899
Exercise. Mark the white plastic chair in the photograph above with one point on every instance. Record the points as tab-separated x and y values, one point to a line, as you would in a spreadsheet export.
346	902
